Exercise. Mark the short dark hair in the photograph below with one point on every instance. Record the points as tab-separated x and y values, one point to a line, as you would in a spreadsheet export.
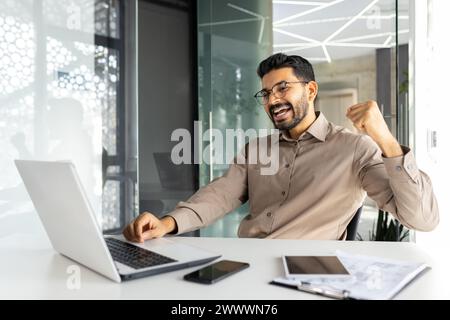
302	67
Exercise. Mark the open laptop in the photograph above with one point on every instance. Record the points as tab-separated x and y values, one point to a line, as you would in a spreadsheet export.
69	220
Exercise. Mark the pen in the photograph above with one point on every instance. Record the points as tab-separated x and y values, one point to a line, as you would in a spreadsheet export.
328	292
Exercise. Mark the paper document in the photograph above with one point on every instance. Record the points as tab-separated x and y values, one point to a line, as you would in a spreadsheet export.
372	277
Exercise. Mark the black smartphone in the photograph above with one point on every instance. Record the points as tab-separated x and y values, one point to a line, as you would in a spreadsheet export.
216	271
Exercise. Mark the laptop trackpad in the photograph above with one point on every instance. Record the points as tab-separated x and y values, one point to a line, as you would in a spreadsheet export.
175	250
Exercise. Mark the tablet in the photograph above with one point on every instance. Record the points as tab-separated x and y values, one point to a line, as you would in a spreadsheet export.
314	266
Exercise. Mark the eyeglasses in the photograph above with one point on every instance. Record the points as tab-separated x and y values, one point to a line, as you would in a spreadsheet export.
279	90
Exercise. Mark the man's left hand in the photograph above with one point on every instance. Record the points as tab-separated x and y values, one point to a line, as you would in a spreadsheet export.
367	118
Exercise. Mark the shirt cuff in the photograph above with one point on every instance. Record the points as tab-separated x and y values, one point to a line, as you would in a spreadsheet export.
403	167
181	217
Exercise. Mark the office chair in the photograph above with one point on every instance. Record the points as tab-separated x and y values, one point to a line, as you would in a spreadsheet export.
353	225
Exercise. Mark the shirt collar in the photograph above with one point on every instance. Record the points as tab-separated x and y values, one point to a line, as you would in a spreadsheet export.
318	129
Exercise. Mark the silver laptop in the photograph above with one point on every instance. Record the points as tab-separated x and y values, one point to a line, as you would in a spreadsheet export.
69	220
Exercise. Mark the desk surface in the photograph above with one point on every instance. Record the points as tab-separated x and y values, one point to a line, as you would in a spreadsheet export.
31	269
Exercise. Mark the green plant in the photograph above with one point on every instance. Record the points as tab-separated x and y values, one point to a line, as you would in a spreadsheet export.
404	85
387	229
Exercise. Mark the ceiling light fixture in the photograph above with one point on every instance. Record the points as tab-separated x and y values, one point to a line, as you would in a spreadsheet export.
337	19
260	17
325	51
218	23
334	34
301	3
387	41
294	35
371	36
295	16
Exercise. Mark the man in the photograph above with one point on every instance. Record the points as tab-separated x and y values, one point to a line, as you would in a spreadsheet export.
324	173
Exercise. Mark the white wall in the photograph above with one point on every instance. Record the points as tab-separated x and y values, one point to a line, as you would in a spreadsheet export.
430	90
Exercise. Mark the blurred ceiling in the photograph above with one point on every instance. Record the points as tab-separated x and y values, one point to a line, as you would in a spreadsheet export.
321	30
329	30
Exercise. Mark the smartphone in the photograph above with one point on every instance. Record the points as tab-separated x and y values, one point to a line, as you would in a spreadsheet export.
216	271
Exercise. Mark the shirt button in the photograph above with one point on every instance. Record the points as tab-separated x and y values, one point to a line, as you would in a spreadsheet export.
287	165
398	168
283	193
269	214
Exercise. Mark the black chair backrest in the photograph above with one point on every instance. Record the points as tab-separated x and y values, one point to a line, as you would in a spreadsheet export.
352	227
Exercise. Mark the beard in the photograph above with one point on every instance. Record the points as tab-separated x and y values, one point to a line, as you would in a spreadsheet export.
300	111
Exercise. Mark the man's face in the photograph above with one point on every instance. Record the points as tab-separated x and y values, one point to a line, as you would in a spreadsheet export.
291	106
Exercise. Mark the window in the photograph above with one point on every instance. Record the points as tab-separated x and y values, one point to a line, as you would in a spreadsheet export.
62	93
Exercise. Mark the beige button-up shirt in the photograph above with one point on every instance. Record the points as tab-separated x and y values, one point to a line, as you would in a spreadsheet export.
323	178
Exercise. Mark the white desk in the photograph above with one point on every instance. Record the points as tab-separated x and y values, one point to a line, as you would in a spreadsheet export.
30	269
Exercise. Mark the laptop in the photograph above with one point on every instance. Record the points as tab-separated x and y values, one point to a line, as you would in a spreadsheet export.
69	220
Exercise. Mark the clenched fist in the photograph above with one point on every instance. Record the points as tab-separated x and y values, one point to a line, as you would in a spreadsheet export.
367	118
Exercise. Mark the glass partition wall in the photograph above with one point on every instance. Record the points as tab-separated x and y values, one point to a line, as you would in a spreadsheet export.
233	36
63	98
359	50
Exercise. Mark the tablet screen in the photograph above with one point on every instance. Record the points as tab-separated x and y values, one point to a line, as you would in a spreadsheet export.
314	265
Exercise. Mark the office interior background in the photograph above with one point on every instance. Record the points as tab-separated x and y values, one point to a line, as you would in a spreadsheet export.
104	83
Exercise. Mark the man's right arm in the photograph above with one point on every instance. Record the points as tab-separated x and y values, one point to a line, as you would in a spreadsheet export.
213	201
207	205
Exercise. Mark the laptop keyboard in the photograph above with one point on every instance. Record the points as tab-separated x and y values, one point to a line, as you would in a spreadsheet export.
133	256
